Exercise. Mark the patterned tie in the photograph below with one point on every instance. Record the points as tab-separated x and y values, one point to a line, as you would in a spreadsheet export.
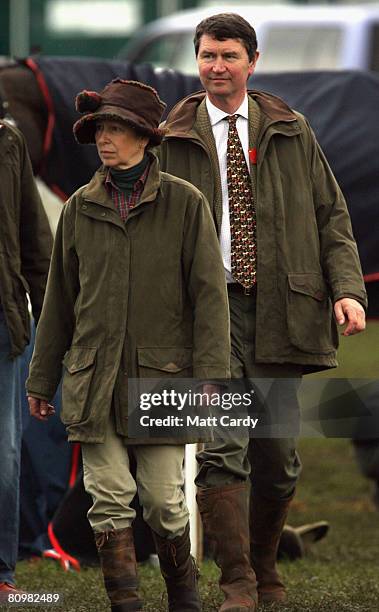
241	211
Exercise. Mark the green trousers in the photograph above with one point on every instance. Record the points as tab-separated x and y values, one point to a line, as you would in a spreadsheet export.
272	463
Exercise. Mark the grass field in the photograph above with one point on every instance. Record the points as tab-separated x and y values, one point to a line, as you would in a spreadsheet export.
339	575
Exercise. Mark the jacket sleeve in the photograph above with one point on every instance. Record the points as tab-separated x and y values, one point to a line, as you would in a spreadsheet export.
205	278
35	236
338	250
56	325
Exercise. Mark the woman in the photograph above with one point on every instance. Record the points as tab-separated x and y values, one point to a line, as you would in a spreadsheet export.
136	289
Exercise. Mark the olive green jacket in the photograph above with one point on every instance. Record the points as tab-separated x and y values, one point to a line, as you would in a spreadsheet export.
145	298
25	239
307	255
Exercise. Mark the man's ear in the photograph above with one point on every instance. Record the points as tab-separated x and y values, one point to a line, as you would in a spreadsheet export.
255	58
253	63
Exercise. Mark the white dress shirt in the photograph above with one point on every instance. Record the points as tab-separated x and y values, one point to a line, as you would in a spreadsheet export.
220	128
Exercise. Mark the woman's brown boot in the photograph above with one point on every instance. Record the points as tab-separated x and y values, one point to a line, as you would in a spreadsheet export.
119	567
179	571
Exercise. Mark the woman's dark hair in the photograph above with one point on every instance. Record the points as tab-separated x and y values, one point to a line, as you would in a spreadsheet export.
227	25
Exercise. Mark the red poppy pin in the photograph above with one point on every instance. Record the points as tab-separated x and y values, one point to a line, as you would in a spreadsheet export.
253	155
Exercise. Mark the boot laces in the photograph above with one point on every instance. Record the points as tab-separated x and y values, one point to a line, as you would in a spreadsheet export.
103	537
171	552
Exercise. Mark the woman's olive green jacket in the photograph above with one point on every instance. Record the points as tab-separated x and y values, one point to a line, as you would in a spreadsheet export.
145	298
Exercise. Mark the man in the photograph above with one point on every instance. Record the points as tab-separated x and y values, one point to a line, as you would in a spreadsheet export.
290	261
25	245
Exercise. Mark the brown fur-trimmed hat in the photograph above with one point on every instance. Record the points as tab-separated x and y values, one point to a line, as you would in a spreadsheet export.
134	103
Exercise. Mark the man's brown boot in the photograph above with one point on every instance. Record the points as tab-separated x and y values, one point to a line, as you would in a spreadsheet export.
179	571
225	520
119	567
267	518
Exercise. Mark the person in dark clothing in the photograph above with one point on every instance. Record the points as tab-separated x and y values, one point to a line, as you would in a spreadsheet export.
25	246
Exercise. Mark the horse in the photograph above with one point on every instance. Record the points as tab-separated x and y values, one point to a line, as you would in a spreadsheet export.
21	101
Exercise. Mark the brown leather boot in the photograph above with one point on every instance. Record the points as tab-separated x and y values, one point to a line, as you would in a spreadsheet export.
179	571
224	514
119	567
267	518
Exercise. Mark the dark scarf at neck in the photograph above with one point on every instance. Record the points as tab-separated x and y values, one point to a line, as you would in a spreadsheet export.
126	179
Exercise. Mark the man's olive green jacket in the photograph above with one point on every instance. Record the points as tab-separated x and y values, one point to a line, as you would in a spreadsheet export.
307	255
146	298
25	239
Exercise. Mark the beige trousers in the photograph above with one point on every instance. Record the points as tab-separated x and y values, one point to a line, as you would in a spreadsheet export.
159	483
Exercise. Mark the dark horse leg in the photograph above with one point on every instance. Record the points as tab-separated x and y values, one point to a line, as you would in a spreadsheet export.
26	106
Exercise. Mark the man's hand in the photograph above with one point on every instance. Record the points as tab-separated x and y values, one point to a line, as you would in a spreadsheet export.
351	312
209	390
40	409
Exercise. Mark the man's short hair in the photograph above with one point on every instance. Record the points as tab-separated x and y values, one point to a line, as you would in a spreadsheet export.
227	25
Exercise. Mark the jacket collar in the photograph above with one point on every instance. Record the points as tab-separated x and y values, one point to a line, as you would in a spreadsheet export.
180	121
96	191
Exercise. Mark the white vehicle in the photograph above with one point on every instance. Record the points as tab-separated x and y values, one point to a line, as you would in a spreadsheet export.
294	38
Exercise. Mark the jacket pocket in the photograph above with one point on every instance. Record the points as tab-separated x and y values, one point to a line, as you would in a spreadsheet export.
164	362
310	320
79	363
